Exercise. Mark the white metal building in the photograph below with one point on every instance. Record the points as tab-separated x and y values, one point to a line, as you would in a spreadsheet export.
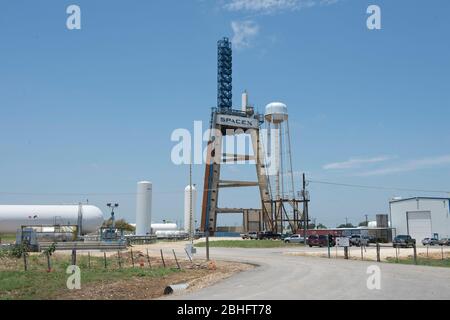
421	217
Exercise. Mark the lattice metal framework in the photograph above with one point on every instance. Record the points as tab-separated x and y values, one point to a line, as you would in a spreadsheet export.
224	74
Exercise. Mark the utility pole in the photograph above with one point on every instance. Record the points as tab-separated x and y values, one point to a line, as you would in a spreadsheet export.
346	221
191	235
305	210
367	220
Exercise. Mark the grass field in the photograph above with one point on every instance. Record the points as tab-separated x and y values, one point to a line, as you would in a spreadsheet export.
246	244
37	283
423	262
7	238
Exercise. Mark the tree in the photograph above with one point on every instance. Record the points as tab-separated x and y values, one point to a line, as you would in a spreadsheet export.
321	226
346	225
363	224
120	224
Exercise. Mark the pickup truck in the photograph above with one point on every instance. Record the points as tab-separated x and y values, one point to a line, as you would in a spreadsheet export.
321	241
295	238
430	241
359	240
268	235
404	241
249	235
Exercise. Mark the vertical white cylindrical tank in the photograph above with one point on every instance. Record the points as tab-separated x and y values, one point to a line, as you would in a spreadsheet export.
244	103
187	208
143	208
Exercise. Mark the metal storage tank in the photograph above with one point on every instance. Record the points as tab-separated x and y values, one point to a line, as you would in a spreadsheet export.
278	152
164	227
143	208
187	209
13	217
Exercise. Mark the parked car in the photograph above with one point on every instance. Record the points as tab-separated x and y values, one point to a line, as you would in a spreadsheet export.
359	240
444	242
321	241
430	241
285	235
250	235
268	235
198	235
295	238
403	241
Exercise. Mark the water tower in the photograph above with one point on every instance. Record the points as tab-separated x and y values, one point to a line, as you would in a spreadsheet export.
279	159
284	200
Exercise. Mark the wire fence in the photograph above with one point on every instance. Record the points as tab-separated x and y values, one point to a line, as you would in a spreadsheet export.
431	255
93	260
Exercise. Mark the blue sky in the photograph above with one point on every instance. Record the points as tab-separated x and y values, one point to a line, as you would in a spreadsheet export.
85	114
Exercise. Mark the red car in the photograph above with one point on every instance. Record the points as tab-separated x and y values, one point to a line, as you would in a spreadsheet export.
321	241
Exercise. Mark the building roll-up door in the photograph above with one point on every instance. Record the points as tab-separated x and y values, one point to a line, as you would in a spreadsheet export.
419	225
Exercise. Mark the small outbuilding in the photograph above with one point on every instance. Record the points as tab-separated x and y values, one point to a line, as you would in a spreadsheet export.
421	217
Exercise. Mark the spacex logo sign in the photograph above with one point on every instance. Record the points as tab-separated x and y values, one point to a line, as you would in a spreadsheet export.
239	122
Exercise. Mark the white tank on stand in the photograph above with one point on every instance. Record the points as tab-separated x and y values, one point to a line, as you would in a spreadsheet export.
143	208
187	208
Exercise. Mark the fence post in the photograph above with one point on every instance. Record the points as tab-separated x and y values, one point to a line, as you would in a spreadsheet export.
378	252
346	253
148	260
25	261
74	257
328	245
104	259
132	258
362	254
187	253
176	260
415	253
49	264
118	259
442	252
89	259
162	258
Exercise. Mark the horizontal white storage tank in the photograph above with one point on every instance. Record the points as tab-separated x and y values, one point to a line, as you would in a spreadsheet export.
170	233
13	217
164	227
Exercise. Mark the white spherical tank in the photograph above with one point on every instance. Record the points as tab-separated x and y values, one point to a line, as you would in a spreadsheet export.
187	208
276	112
143	208
14	217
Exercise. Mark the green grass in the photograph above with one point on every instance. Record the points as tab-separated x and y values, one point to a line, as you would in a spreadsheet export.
423	262
37	283
246	244
8	238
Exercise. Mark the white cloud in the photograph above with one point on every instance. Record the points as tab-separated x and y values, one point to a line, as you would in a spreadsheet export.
355	163
412	165
243	33
271	6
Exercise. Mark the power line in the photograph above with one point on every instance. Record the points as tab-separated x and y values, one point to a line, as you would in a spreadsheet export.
376	187
99	194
